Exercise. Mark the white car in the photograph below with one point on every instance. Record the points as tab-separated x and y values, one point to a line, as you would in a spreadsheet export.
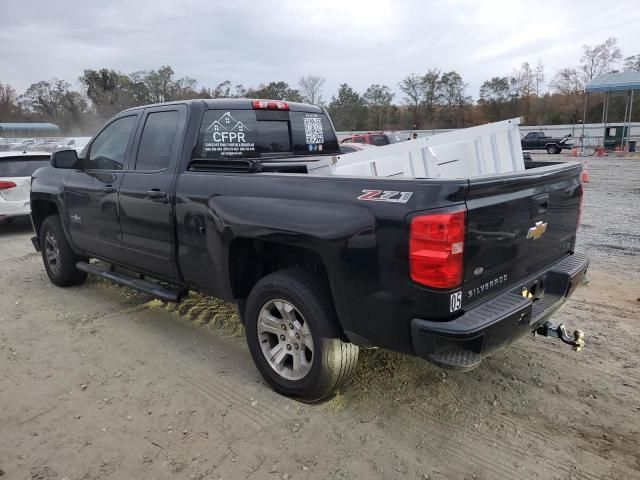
350	147
15	181
73	143
22	144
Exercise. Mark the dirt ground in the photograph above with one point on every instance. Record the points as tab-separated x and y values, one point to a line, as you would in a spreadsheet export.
100	382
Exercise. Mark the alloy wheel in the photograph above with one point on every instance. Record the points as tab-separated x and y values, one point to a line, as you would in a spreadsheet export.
285	339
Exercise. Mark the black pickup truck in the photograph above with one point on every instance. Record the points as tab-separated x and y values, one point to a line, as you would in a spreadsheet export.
541	141
217	196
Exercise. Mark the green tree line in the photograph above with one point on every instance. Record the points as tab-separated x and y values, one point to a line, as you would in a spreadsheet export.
434	99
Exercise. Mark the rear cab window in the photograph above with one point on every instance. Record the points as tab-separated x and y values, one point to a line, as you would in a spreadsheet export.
395	138
379	140
264	134
22	166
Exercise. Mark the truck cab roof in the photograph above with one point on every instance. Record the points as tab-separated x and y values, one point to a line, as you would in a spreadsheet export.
235	104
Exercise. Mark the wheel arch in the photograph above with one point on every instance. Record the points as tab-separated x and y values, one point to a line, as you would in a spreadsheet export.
40	210
252	259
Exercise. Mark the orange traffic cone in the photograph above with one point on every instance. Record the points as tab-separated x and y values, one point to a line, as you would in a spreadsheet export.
584	175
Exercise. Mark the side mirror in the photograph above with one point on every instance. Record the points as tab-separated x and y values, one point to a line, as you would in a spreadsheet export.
64	159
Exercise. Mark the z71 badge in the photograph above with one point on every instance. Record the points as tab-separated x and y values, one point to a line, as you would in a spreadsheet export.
385	196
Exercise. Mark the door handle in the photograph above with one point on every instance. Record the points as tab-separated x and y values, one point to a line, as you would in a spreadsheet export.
157	196
109	189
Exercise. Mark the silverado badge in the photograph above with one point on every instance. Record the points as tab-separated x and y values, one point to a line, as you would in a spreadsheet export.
537	231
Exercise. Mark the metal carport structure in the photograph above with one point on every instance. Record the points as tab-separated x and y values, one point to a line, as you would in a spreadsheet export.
28	129
613	82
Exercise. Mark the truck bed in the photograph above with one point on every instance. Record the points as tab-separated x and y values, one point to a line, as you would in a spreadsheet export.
468	152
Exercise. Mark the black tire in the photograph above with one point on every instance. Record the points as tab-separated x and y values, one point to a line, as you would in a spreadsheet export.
333	360
61	268
552	149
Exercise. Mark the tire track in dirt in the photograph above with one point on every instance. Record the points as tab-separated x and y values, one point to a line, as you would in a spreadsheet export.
475	451
229	392
501	468
262	416
215	386
233	392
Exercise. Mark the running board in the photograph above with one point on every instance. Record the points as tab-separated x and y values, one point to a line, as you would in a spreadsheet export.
163	293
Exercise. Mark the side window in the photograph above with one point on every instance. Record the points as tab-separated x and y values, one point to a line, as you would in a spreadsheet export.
108	149
157	141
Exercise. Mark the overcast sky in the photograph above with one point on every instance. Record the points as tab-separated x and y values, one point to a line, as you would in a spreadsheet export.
359	42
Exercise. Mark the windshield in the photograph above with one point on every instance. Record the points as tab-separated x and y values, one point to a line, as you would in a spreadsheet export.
232	134
22	167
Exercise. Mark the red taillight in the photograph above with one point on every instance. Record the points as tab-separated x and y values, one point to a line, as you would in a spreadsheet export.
436	245
269	105
580	205
5	185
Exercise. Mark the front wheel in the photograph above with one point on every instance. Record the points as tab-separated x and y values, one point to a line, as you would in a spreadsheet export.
58	256
552	149
294	336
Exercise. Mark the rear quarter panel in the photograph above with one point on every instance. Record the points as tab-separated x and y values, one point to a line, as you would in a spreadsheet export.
362	244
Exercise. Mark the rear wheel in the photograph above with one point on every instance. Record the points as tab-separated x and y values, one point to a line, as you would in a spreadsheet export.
552	149
58	256
294	337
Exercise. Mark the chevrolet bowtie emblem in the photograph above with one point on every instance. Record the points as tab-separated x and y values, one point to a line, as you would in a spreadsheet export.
537	231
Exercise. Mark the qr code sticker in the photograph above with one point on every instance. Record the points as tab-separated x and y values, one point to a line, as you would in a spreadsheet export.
313	130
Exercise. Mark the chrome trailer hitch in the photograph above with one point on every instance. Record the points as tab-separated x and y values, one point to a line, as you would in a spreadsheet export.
559	331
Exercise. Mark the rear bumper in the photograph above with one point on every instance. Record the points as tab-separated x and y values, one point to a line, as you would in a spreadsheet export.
14	208
501	320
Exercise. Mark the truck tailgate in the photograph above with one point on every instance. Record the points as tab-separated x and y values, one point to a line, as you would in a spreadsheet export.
517	224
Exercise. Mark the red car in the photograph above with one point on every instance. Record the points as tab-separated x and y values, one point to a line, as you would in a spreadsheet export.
375	138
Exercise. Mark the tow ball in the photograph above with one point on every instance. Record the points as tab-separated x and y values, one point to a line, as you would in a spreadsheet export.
559	331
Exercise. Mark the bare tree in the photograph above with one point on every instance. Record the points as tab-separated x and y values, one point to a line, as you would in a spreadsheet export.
524	84
523	81
599	59
632	63
378	98
222	90
569	82
413	88
494	97
9	106
431	85
538	74
310	88
452	96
